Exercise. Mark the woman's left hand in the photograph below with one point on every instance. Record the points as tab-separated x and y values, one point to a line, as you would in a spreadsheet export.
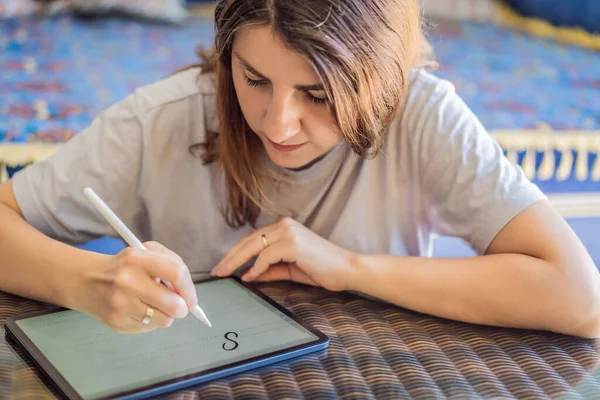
287	250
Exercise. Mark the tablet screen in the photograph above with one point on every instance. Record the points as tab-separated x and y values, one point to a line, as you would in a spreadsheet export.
98	362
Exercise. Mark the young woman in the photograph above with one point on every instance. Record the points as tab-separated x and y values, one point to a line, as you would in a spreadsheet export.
313	146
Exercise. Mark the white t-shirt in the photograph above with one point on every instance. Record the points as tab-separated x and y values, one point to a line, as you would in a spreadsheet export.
439	172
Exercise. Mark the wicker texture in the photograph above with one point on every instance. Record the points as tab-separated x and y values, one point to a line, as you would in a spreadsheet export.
377	351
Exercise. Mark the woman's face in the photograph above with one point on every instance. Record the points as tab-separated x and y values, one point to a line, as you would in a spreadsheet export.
281	98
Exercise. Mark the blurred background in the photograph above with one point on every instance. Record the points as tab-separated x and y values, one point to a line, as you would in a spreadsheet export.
529	69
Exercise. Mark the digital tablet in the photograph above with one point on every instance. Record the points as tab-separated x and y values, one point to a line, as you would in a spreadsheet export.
87	360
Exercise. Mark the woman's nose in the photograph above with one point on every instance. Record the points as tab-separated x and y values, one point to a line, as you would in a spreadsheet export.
282	119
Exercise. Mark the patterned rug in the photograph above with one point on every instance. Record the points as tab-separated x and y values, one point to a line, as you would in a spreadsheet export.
538	98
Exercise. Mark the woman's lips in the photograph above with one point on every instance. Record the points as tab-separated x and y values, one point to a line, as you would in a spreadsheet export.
286	148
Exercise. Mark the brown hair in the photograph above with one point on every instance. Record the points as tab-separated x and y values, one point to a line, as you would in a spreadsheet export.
361	50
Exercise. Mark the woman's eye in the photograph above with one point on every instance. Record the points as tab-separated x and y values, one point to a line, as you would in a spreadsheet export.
254	82
260	82
315	99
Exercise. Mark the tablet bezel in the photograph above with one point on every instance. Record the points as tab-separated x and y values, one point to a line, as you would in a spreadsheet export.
173	384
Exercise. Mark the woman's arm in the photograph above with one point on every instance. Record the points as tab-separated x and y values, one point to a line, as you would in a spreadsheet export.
536	274
34	265
114	289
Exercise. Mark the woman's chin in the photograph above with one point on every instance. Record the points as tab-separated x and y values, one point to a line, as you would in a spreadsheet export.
288	163
290	160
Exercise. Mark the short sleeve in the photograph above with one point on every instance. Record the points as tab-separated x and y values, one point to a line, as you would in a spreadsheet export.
106	157
470	189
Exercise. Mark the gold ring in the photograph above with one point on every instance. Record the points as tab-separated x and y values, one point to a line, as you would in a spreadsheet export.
148	316
264	240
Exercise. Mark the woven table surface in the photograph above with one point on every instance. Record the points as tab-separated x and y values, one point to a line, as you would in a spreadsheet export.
376	351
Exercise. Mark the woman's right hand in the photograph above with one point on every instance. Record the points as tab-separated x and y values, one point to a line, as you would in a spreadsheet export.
121	289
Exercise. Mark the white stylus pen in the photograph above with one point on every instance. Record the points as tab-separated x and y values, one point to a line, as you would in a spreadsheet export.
129	237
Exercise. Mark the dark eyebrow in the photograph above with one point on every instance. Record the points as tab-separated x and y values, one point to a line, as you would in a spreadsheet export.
249	67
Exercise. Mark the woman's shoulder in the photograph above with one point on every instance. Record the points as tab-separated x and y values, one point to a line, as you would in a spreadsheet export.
179	103
425	88
433	116
429	98
180	86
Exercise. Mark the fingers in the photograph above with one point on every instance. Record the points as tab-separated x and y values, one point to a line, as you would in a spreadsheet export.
273	254
161	298
249	239
247	248
283	272
166	306
158	318
127	311
134	281
277	272
134	323
168	266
